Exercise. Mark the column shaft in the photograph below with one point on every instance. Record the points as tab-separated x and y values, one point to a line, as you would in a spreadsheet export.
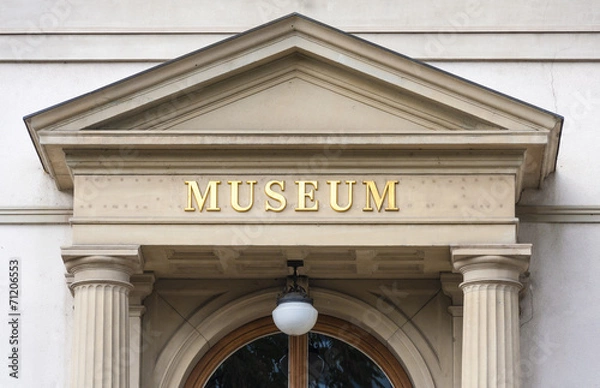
491	335
100	356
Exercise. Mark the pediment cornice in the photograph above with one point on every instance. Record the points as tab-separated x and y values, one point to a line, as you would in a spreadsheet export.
295	84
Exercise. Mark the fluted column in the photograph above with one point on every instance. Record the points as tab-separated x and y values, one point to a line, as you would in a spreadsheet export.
100	345
490	354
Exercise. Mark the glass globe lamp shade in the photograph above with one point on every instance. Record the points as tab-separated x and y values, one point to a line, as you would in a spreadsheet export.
295	314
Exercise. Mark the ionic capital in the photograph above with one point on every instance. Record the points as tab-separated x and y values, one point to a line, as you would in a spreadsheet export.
102	264
491	263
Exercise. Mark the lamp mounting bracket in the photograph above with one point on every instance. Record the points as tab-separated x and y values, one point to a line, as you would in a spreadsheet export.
295	263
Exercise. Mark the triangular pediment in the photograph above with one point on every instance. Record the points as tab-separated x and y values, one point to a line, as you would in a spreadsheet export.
296	105
301	95
293	105
295	76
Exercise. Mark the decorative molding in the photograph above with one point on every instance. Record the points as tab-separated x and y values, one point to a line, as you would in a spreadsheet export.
559	214
306	221
525	213
35	216
427	46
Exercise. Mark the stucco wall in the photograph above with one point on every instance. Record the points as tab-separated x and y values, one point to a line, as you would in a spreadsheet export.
559	331
44	304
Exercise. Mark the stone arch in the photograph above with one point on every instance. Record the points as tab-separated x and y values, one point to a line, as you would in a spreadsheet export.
190	342
333	327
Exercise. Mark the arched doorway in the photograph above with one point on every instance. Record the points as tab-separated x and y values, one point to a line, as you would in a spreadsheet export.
328	334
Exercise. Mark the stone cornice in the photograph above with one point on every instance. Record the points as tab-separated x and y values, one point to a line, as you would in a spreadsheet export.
435	110
559	214
525	214
35	215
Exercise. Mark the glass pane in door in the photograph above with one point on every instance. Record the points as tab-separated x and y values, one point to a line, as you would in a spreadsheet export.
335	364
256	365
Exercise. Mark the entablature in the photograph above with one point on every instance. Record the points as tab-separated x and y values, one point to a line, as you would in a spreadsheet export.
291	85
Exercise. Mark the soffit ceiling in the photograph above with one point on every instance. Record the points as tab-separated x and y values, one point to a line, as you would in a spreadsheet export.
319	262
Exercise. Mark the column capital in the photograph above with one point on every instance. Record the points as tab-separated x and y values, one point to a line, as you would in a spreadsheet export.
491	263
102	264
127	258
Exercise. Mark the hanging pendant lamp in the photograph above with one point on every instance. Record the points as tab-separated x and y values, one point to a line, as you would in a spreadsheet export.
295	314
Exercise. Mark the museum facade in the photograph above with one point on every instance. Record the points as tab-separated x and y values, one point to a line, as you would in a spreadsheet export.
399	192
204	175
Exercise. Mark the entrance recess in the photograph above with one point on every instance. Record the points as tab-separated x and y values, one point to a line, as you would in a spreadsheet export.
311	360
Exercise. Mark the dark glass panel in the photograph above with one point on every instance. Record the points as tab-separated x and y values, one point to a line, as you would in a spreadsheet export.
256	365
335	364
